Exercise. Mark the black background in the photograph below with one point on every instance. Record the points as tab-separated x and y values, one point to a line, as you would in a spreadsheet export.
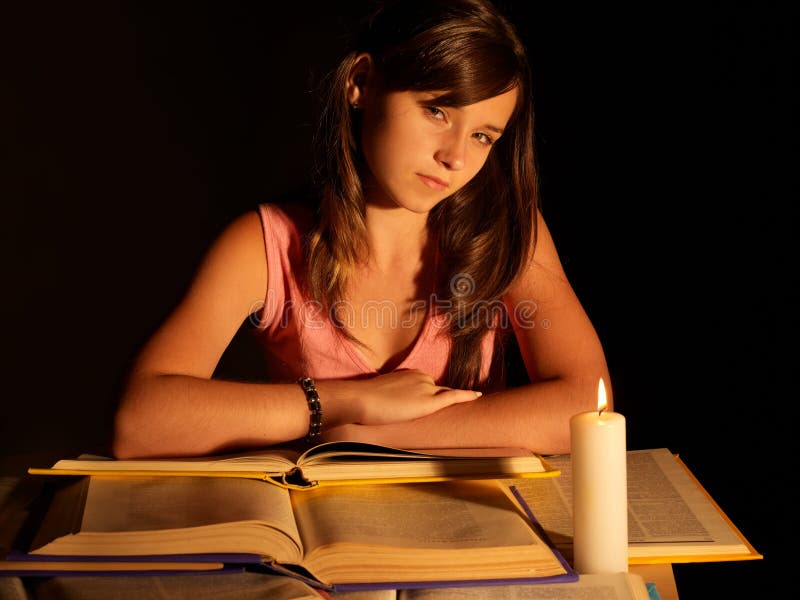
133	132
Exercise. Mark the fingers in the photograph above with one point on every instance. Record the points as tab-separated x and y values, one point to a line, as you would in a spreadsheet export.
471	394
450	396
408	395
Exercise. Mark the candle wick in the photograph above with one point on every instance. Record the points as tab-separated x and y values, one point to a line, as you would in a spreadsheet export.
600	410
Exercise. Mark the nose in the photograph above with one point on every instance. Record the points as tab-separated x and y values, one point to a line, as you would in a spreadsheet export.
451	152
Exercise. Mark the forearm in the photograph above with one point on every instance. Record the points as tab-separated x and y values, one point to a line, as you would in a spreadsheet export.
535	416
169	415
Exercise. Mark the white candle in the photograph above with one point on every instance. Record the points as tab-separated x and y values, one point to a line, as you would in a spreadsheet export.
600	493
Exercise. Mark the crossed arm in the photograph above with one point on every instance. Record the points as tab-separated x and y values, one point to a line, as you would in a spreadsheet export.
171	406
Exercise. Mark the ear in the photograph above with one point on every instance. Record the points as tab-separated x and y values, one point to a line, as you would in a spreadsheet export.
359	79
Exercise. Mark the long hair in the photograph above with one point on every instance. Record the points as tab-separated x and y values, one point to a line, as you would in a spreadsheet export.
485	231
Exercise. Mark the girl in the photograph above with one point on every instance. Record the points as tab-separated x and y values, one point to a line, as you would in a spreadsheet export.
383	312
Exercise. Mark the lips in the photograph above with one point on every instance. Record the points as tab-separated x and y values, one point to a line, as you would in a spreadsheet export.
433	182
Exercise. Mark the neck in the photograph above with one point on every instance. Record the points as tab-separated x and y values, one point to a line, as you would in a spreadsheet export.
395	236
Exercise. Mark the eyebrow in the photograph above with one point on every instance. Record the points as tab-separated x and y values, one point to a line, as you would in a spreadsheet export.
497	130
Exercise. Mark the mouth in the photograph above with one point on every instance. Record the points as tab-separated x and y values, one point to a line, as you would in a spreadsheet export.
433	182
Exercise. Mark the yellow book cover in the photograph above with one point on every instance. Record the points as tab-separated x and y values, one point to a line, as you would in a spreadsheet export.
331	463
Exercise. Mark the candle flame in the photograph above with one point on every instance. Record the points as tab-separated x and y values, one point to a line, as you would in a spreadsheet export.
602	404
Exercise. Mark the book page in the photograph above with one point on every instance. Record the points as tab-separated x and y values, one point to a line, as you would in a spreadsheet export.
452	515
145	504
449	531
337	461
148	510
660	510
273	460
332	451
665	506
331	461
617	586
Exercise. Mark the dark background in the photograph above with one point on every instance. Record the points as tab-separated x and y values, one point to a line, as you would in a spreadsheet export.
133	132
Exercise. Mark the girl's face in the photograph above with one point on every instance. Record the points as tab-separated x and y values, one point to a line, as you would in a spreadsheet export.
419	153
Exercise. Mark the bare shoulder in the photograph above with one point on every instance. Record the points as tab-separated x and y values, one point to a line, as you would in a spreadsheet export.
545	253
242	244
230	281
241	240
556	337
238	257
543	270
244	231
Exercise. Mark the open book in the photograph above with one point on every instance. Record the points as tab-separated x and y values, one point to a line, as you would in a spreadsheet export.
393	536
328	463
671	517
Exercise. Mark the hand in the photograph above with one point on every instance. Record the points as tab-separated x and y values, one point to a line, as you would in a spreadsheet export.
403	396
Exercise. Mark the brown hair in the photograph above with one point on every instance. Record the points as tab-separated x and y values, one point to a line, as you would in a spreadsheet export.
469	49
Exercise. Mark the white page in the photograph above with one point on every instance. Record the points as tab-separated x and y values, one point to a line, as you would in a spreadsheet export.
666	509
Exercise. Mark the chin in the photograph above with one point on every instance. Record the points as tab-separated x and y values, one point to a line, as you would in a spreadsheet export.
420	209
419	205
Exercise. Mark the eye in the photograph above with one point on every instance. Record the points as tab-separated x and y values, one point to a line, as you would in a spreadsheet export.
484	139
435	113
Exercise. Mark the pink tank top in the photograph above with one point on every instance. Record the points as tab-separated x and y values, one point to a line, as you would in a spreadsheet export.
297	335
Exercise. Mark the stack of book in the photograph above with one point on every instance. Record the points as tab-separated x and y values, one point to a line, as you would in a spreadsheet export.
465	523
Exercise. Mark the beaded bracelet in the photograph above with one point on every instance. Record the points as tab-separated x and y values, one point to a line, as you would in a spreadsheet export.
314	407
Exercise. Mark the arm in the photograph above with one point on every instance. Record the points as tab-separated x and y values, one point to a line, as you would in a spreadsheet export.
170	405
564	360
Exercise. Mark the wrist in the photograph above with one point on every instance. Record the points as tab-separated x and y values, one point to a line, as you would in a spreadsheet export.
341	401
314	409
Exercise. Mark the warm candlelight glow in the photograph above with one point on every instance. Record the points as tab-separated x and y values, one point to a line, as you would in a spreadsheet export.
601	397
599	489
